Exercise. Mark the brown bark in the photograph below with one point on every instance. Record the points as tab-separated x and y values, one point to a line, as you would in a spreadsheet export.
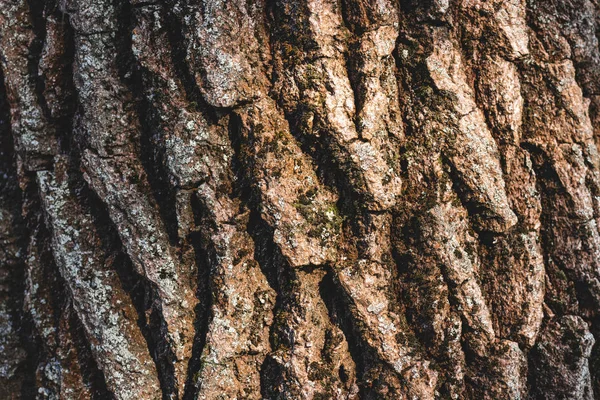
299	199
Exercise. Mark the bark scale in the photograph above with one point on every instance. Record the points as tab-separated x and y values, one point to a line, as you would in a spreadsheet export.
313	199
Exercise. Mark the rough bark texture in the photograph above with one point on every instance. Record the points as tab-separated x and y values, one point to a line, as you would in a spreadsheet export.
299	199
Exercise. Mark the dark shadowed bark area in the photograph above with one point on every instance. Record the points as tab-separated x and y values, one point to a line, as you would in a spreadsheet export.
299	199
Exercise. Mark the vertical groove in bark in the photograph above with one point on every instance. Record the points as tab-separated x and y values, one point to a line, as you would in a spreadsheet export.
35	144
110	158
14	366
308	199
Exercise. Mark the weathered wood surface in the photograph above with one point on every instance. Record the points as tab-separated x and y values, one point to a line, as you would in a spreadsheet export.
299	199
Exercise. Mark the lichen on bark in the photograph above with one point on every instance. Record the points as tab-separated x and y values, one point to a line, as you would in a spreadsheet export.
308	199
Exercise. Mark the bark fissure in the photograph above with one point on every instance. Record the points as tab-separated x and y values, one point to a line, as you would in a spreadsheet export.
311	199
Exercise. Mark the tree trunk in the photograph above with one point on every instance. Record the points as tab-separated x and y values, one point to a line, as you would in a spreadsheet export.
299	199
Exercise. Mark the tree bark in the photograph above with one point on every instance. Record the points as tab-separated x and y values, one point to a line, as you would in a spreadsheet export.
299	199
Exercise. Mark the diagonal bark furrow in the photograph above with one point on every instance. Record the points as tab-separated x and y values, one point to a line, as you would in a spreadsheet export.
371	69
471	150
197	158
372	72
242	302
383	372
110	149
141	83
143	293
54	66
367	280
178	35
18	368
275	207
374	378
181	127
170	156
516	256
236	340
33	145
484	351
301	218
312	86
58	373
436	75
175	157
429	308
203	309
153	259
95	288
38	10
76	349
449	148
50	69
310	357
302	213
297	208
